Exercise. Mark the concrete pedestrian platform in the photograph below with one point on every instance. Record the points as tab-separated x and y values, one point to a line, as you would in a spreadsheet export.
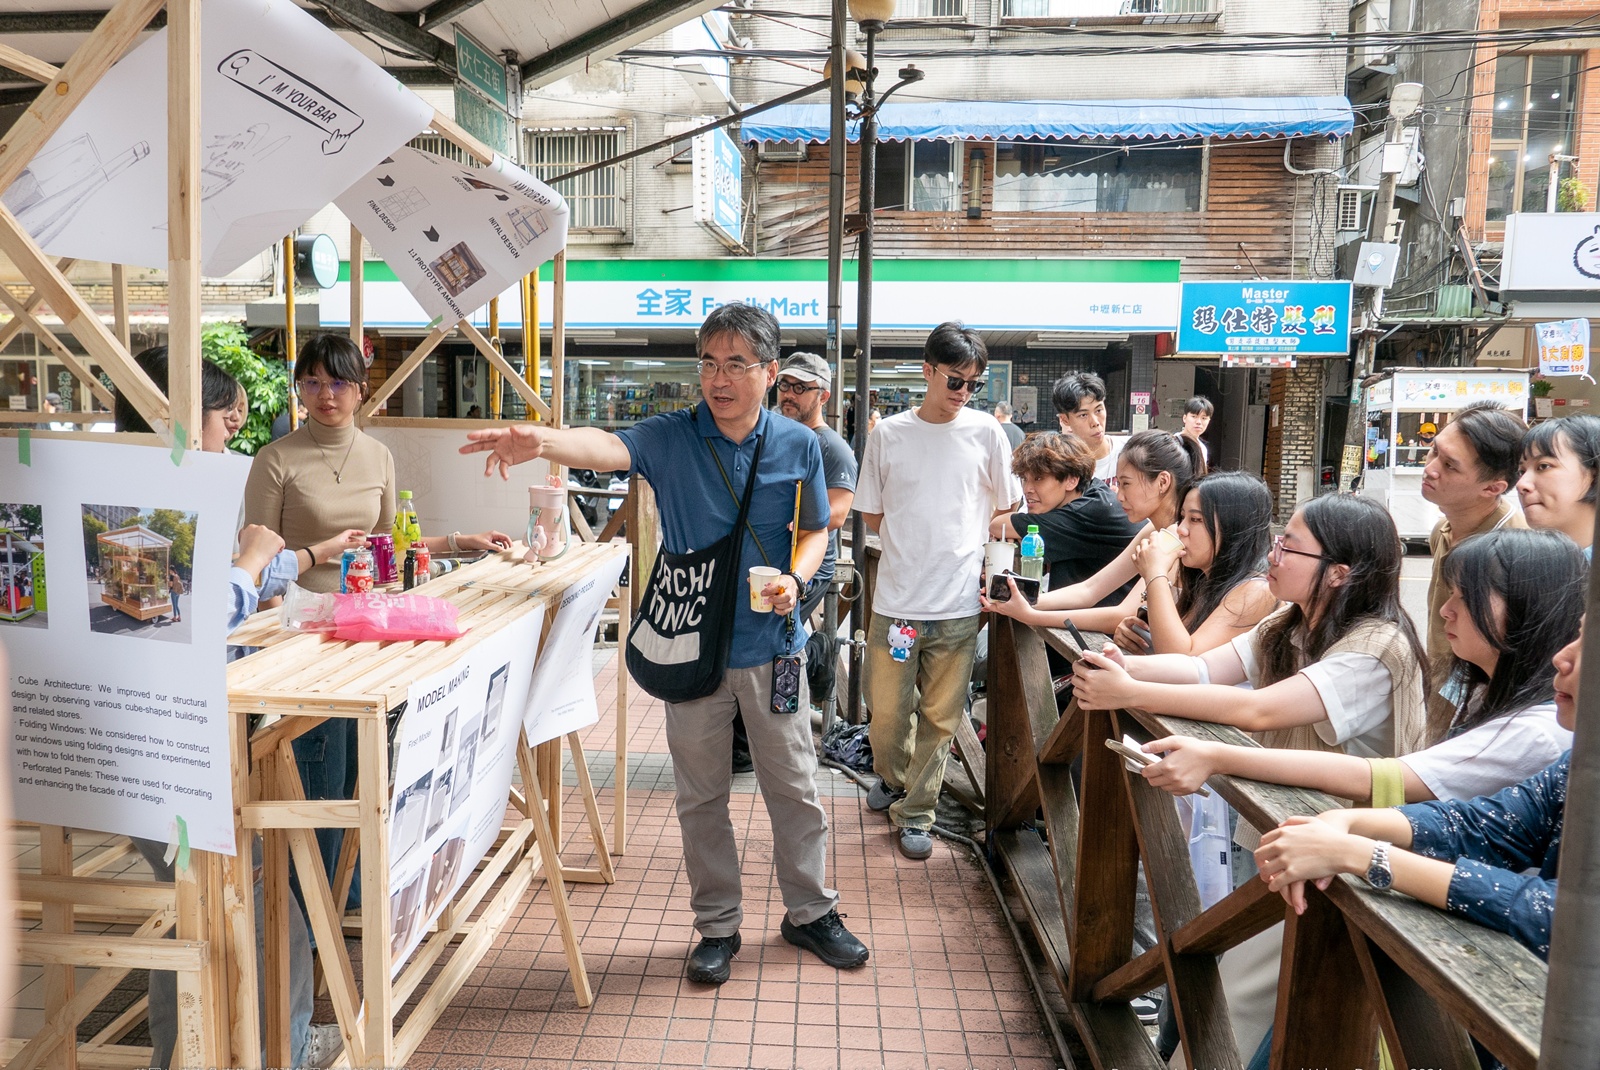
945	987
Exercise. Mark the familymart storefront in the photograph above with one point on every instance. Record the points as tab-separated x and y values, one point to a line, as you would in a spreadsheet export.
630	327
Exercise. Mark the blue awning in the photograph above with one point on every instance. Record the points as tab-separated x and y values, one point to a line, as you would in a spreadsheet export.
1071	119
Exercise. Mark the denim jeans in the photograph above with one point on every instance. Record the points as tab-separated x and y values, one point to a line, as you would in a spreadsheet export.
327	757
176	612
164	983
916	705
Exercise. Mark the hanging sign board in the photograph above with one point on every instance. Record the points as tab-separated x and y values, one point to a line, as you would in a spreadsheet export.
455	235
118	681
718	173
290	116
485	122
1292	318
481	69
1563	347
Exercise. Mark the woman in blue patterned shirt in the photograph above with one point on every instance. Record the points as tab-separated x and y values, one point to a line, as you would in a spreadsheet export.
1468	857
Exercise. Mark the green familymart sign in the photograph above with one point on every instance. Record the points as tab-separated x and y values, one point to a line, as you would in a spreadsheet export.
1112	296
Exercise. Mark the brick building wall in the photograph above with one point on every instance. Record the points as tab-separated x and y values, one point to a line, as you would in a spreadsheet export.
1293	435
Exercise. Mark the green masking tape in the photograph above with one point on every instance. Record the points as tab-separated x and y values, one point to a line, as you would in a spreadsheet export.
179	439
183	842
25	447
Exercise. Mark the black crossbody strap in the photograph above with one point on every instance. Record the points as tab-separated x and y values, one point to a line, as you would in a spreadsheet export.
749	490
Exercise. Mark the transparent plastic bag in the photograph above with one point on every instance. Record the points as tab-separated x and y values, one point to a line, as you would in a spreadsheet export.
370	617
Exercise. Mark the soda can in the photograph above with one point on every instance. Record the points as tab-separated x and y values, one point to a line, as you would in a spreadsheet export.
411	568
344	569
385	569
358	580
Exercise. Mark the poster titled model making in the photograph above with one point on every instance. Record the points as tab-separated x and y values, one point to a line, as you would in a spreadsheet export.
453	756
562	697
114	562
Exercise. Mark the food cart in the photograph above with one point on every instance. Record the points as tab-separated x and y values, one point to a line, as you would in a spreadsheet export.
1405	408
21	577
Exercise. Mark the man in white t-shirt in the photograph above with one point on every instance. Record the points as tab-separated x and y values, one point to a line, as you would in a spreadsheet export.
932	479
1080	401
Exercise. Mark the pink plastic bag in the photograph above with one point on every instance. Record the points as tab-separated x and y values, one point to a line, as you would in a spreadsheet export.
361	618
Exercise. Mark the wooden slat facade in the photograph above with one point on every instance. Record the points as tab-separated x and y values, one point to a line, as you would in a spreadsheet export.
1248	197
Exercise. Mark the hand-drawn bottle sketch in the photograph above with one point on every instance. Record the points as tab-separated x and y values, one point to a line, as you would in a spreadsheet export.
49	194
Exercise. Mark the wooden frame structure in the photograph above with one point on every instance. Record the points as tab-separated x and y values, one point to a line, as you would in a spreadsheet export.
304	680
208	909
1355	964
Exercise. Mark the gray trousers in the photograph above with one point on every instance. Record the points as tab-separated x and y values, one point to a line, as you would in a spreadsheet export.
164	983
699	735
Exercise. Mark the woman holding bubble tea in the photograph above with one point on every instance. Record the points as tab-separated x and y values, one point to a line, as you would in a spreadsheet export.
1154	472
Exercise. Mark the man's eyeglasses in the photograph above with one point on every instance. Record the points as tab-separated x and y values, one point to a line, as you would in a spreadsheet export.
956	383
335	387
733	369
791	386
1279	549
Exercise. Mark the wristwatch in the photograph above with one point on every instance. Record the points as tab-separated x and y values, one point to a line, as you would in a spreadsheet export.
802	587
1379	874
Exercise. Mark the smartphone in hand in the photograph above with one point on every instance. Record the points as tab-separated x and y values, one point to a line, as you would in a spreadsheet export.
999	591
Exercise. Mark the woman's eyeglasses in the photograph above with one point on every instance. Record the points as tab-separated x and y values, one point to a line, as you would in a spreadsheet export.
1279	549
334	387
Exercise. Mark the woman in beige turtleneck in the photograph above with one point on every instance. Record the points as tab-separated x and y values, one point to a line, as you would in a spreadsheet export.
320	480
329	475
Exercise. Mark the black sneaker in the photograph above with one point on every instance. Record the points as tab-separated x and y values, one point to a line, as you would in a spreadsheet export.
828	939
712	960
1147	1009
742	762
882	796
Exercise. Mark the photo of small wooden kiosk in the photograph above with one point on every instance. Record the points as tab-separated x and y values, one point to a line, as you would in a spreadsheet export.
17	580
133	568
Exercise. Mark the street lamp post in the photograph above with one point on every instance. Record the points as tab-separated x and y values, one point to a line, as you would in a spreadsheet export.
872	16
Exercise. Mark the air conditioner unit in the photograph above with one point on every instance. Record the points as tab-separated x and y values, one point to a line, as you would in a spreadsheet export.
781	151
1370	17
1354	208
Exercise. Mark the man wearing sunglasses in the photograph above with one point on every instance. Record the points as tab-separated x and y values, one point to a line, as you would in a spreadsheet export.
932	479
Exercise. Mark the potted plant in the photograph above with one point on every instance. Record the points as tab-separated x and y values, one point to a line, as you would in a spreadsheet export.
1539	387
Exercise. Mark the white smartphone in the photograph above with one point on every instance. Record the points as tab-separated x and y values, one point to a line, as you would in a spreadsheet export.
1137	759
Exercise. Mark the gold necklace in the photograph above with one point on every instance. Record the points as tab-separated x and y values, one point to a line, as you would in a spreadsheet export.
338	473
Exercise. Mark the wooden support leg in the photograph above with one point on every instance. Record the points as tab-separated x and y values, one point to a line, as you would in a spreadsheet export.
1324	1015
590	808
376	925
619	778
275	924
199	1005
55	860
1108	854
550	856
1417	1029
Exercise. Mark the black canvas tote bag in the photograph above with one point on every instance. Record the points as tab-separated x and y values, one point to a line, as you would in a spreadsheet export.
679	643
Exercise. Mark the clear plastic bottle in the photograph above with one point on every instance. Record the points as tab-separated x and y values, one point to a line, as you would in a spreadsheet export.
1032	563
406	529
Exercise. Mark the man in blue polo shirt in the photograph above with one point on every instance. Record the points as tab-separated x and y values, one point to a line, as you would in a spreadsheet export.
678	452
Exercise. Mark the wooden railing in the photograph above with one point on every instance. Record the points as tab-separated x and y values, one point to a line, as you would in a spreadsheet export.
1356	962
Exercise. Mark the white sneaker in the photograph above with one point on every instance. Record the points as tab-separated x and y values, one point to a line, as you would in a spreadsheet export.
324	1047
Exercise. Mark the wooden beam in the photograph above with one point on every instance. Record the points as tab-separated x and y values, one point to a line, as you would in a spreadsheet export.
183	219
81	370
457	135
398	377
83	322
32	303
298	815
358	280
119	306
84	949
529	395
71	84
22	63
558	344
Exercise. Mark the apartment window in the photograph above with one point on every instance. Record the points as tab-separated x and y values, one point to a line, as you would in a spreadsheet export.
1080	176
597	199
931	9
442	146
919	176
1535	98
1143	11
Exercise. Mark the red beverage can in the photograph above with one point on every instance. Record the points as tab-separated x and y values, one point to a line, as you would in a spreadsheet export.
385	569
359	579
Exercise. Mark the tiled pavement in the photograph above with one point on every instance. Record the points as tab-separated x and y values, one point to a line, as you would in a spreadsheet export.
944	988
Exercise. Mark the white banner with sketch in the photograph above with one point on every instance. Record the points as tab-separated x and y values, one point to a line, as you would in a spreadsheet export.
454	752
561	699
291	115
456	235
114	564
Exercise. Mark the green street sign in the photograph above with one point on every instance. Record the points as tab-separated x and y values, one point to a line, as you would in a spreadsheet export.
481	69
484	121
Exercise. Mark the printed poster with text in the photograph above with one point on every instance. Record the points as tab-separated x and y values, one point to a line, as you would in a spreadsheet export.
115	563
561	699
456	235
290	116
453	756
